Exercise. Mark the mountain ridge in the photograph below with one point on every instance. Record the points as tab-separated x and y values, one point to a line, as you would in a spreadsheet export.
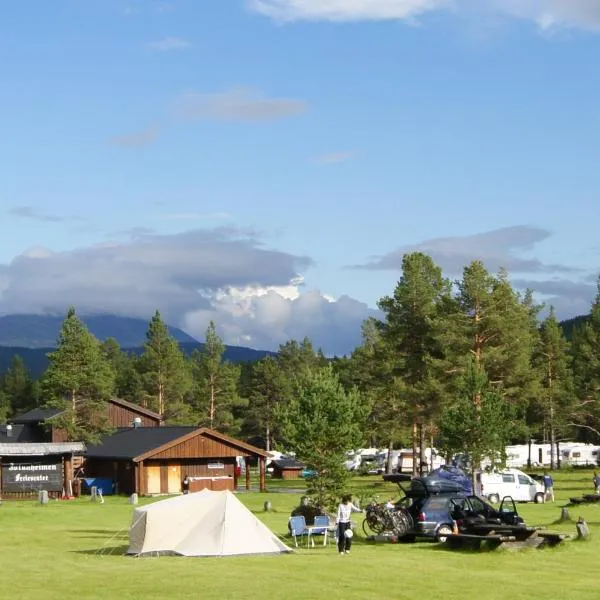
32	337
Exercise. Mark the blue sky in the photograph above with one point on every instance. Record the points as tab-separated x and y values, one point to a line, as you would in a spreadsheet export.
151	150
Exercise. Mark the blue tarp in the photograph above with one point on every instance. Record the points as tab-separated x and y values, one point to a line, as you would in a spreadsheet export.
448	473
104	484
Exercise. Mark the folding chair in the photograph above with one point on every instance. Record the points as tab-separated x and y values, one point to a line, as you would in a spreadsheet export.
322	526
298	528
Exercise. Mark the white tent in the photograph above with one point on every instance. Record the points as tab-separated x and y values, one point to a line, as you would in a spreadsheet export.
204	523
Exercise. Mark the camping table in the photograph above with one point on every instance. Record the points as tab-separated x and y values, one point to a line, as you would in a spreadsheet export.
312	528
519	531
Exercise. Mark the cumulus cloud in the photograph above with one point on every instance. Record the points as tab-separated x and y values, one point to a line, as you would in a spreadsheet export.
252	292
242	104
546	14
500	248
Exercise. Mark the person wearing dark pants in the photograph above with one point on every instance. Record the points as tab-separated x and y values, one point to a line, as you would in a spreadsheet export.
345	510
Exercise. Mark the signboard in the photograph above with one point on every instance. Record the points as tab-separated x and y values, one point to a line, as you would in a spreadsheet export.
216	465
28	475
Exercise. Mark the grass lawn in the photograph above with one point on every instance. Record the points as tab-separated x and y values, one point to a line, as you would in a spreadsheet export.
74	550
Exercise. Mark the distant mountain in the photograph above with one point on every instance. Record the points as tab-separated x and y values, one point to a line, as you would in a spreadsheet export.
41	331
33	336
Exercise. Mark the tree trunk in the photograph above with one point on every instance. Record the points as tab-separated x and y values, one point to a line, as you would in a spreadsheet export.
267	438
414	448
390	466
552	439
74	406
161	400
422	443
212	403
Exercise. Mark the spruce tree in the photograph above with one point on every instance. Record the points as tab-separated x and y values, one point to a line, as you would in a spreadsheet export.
79	380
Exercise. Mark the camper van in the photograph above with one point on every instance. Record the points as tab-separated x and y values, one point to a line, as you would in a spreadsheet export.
510	482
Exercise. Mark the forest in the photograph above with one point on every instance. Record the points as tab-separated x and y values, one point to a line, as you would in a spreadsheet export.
467	365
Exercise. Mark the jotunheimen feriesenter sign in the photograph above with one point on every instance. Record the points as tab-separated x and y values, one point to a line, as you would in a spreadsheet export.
28	475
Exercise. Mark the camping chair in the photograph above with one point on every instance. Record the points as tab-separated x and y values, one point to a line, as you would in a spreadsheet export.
298	528
321	526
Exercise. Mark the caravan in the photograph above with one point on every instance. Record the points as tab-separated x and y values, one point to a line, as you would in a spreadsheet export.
510	482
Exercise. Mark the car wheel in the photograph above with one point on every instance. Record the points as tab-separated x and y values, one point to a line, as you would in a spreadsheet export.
539	498
443	532
494	498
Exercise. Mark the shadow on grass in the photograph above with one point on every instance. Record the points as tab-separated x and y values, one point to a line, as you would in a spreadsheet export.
104	551
107	534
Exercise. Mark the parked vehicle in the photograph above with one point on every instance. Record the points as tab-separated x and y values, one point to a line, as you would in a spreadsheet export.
510	482
432	508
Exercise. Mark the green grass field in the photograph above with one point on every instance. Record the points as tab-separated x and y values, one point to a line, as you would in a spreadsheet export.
74	549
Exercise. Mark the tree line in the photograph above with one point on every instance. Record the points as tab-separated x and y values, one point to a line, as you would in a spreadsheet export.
465	365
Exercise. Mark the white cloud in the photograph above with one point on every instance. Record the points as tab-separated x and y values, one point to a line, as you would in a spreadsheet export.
253	293
241	104
169	43
193	216
137	139
501	248
345	10
334	158
547	14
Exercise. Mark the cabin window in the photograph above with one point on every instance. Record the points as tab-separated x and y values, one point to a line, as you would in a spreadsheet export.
508	478
576	454
523	480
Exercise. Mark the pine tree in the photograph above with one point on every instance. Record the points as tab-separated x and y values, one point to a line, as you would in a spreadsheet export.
165	374
495	328
17	389
128	383
411	333
268	392
553	362
586	369
478	422
320	423
79	380
216	385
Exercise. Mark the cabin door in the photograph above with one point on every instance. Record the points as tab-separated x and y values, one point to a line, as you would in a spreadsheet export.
174	481
153	479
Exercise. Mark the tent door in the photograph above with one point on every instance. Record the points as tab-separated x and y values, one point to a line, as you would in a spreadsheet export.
174	481
153	479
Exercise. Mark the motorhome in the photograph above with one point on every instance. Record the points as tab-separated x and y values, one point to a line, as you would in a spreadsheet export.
521	487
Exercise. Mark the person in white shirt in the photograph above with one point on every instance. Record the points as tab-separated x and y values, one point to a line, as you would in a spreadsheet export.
345	510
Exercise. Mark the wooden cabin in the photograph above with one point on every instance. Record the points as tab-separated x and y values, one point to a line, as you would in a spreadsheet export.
287	468
154	460
36	425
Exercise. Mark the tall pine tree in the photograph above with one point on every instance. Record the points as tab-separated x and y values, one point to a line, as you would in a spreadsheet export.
79	380
216	385
165	375
18	392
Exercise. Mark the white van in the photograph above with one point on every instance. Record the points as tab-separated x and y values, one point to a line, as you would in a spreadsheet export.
510	482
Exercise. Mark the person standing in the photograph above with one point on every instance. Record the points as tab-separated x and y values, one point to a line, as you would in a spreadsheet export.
597	483
185	484
344	512
548	487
